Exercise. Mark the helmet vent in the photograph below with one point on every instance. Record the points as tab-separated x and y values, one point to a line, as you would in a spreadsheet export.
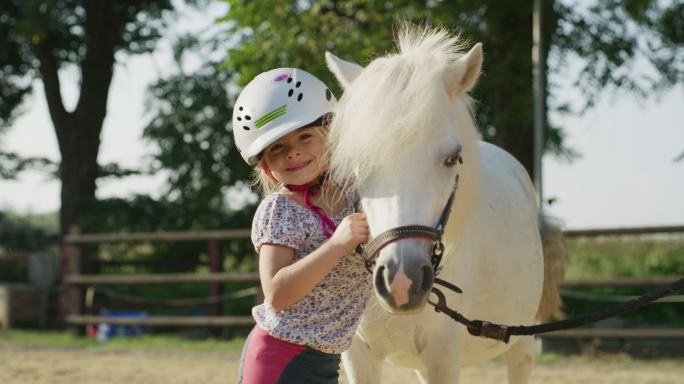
246	128
298	84
328	94
299	97
290	92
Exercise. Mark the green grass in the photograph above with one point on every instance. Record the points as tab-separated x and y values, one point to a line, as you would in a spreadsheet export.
66	339
625	257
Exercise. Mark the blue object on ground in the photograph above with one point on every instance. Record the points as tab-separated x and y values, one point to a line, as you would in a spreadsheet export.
108	331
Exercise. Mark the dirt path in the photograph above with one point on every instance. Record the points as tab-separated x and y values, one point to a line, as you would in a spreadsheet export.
42	365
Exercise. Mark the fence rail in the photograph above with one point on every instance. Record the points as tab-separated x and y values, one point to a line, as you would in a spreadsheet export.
619	282
623	333
80	238
231	277
167	278
623	231
164	321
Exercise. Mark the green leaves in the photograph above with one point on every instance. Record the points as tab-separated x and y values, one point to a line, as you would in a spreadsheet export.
611	37
115	170
17	234
275	35
12	164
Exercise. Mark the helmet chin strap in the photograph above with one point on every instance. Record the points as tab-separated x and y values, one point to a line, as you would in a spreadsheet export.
311	190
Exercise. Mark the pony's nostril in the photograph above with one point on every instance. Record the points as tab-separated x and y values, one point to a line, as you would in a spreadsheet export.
427	278
380	274
381	281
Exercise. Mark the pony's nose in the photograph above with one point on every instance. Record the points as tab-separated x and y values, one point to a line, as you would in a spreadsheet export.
403	287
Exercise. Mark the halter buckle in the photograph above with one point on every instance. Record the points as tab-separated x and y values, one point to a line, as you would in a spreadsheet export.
438	248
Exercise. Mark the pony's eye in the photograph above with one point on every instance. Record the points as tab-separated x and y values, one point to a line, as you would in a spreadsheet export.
453	159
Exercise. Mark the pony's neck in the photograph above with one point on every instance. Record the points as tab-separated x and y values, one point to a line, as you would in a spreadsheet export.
469	177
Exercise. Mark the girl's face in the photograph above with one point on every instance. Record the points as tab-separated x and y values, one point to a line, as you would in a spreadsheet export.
296	158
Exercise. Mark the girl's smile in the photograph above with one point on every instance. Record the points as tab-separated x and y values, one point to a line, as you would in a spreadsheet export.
299	166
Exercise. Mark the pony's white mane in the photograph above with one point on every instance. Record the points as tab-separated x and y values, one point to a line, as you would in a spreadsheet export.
386	109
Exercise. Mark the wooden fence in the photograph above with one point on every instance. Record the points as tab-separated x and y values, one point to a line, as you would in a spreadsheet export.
620	282
77	282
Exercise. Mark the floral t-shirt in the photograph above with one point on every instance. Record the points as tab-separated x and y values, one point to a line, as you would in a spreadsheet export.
327	317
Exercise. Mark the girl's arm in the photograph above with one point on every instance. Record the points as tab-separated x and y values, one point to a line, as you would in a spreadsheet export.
285	282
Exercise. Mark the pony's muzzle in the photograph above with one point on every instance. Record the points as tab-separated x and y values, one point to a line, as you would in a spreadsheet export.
402	287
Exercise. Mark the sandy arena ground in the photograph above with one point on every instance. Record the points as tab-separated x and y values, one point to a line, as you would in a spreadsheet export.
42	365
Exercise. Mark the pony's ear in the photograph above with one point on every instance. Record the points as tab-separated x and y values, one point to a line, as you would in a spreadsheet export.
344	71
464	72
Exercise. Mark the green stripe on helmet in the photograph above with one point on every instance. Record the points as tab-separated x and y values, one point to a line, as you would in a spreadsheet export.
274	114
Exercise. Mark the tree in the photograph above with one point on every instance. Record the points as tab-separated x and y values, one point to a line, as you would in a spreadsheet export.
41	37
190	113
608	36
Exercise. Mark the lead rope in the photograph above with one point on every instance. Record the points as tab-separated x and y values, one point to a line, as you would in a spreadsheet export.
504	332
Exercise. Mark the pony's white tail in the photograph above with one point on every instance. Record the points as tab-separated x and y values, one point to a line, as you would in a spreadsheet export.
555	260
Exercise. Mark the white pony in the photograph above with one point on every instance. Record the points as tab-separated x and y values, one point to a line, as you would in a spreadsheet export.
400	124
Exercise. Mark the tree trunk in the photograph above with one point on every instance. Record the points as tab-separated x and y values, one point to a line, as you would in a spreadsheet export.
78	172
78	132
510	25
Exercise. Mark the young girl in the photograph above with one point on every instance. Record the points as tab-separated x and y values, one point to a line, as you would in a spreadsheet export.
305	232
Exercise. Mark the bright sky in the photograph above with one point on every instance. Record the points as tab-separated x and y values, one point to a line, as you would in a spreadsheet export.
626	175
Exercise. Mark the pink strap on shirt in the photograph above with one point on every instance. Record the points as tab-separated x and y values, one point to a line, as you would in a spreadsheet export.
310	190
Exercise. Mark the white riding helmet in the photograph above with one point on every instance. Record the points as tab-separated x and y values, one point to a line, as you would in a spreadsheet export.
274	104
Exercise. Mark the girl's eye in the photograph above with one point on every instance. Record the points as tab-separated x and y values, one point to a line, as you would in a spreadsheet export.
275	148
305	136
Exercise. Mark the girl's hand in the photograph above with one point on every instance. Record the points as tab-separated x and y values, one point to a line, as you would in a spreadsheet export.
352	231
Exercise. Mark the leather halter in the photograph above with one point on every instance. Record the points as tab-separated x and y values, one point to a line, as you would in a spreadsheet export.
370	251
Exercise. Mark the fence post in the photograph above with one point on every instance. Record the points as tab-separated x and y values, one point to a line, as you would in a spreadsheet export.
74	253
215	266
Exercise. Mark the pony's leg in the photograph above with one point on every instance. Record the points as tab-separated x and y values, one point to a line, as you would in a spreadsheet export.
360	365
520	359
442	363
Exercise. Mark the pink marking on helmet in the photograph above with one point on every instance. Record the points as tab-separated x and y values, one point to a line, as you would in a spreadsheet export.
280	78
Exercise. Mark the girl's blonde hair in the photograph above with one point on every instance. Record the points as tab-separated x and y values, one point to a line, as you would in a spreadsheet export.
267	184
